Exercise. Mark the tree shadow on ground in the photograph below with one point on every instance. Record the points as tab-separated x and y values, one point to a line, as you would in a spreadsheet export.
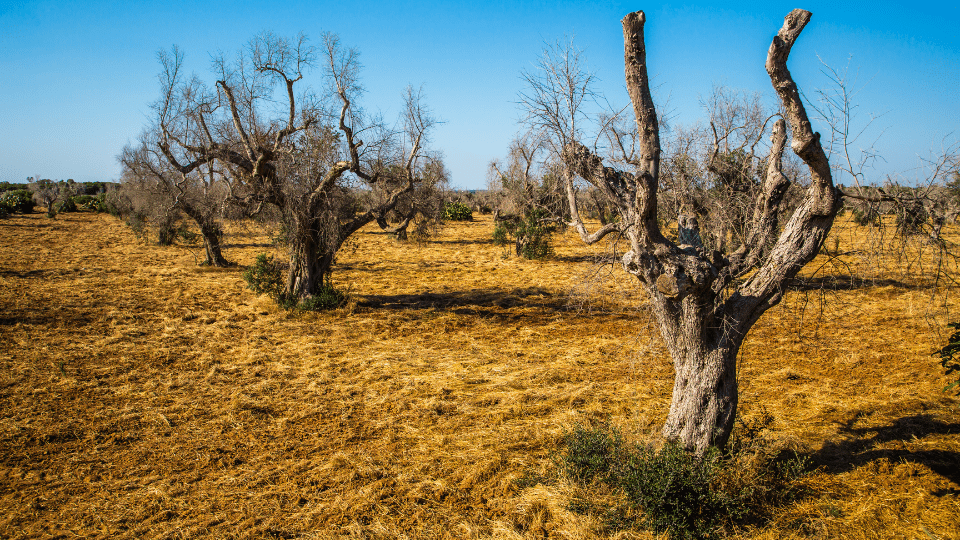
250	245
590	258
844	283
535	297
861	447
508	304
462	242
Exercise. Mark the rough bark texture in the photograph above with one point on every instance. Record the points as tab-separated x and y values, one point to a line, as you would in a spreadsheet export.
703	313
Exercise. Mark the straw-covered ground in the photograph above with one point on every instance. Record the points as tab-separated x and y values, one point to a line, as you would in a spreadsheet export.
143	396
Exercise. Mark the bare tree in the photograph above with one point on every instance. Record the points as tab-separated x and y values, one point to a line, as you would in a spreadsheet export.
163	190
703	300
303	157
532	199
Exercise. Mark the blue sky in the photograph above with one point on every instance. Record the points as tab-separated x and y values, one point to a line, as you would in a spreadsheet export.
77	78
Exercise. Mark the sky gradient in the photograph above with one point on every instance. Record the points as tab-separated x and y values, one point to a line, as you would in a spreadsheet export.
77	78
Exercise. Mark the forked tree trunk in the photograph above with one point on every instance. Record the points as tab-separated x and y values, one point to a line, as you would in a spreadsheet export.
705	302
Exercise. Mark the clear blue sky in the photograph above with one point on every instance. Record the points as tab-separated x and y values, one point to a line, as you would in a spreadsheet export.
77	77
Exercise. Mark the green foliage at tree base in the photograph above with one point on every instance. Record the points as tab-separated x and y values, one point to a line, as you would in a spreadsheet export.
268	276
948	357
668	490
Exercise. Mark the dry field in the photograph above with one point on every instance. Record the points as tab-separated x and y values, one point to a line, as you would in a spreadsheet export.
142	396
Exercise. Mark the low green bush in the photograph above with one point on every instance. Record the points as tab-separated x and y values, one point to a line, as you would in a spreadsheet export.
948	357
18	201
68	205
531	233
328	297
668	490
266	276
457	211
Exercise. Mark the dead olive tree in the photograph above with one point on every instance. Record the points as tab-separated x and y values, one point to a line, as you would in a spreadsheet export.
304	156
704	301
164	189
531	196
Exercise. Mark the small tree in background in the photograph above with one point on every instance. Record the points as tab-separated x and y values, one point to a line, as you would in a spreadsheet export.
532	205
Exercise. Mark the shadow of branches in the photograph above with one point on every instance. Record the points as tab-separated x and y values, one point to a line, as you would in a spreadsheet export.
862	444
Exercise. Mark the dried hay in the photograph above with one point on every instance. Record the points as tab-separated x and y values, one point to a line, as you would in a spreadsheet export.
146	397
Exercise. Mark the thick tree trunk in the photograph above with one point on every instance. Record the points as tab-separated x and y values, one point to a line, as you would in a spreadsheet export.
211	242
704	403
310	266
211	232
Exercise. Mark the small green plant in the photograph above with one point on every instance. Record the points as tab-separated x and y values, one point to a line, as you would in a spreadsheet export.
866	217
590	452
68	205
669	490
531	234
457	211
948	357
500	235
266	276
138	222
326	298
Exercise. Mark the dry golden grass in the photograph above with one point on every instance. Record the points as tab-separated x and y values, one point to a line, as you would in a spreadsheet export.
145	397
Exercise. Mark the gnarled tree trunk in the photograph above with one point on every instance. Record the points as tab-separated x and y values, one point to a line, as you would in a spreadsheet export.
211	232
704	302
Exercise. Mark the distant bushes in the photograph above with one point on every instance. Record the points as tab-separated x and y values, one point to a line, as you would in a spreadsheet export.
17	201
457	211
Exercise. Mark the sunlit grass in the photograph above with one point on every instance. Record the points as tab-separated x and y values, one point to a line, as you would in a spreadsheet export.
143	396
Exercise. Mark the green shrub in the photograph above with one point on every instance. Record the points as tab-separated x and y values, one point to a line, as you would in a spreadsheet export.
91	203
328	297
669	490
866	217
138	222
19	201
590	452
68	205
500	235
457	211
675	491
948	358
266	276
531	234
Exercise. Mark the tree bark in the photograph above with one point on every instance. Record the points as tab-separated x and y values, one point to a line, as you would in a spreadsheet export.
310	265
211	242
